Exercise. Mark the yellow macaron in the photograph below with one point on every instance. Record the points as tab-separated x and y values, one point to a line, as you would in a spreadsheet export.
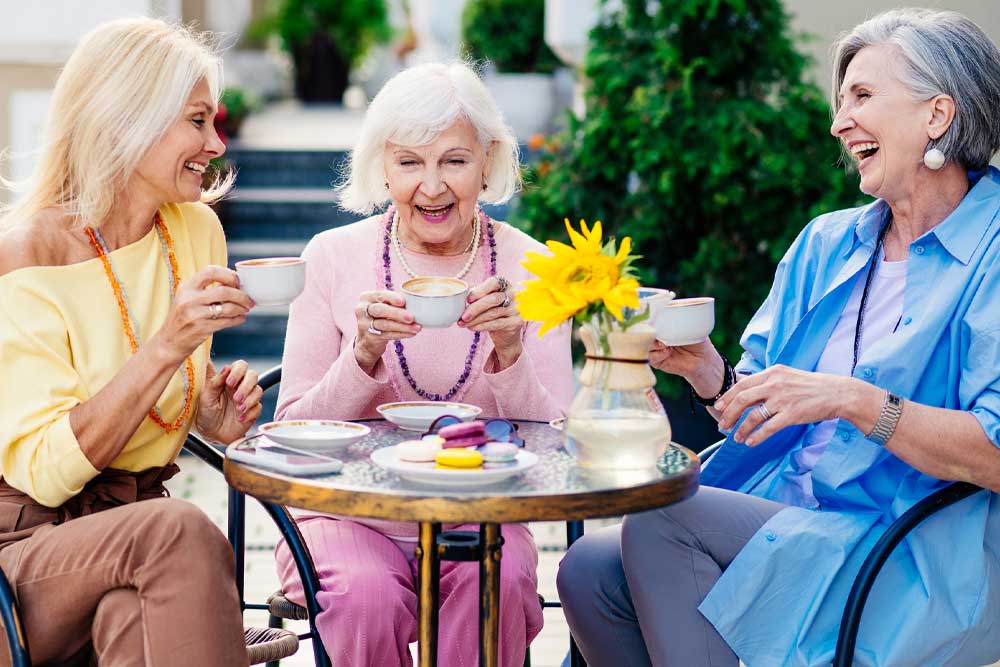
458	457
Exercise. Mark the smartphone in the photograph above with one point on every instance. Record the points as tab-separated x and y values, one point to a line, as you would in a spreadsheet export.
283	459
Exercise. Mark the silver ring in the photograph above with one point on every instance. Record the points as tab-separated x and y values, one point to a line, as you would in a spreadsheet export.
506	300
216	311
764	412
367	314
503	283
373	330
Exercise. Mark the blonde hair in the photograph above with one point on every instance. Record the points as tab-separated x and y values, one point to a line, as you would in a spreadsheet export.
412	109
122	88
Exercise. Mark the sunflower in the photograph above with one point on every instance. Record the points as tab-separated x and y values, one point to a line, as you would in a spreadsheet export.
578	280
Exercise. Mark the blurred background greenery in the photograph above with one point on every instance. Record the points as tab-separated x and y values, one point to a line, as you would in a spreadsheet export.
703	141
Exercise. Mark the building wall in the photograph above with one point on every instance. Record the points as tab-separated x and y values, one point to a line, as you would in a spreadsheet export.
824	21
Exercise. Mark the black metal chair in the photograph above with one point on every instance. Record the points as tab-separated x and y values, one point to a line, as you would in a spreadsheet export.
863	582
454	545
286	527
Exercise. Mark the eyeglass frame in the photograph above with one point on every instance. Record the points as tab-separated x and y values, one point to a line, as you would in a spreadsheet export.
515	438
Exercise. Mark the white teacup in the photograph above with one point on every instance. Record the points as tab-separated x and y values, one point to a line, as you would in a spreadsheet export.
435	302
272	281
685	321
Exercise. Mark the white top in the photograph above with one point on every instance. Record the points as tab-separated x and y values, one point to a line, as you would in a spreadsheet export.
882	315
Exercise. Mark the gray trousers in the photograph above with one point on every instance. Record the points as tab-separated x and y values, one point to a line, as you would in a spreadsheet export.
631	592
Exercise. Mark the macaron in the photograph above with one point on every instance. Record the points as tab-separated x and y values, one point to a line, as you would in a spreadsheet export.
418	451
498	452
466	434
459	458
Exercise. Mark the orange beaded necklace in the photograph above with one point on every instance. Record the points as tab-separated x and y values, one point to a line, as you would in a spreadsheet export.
128	321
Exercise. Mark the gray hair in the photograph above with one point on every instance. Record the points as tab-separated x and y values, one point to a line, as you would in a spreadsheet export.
412	109
943	53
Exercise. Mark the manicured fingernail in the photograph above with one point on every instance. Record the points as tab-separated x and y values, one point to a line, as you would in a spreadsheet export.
242	418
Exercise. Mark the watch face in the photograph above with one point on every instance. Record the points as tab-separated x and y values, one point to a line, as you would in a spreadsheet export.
895	400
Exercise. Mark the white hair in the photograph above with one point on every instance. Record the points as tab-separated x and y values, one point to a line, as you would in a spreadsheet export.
122	88
413	109
943	53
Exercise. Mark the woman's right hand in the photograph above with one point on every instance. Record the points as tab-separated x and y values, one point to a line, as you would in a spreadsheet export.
381	317
700	364
214	289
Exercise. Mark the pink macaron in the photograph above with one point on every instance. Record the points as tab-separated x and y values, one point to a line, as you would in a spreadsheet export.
466	434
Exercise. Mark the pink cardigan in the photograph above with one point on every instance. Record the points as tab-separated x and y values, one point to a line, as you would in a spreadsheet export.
321	378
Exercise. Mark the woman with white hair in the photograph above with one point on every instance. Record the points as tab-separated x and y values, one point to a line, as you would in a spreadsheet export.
112	282
873	374
432	146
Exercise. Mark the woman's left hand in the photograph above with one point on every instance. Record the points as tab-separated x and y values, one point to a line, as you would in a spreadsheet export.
788	396
230	402
491	308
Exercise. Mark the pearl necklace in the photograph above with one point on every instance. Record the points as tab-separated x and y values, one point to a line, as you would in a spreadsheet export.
394	234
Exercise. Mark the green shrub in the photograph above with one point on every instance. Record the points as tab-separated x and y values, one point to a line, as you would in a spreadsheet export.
703	141
353	26
509	33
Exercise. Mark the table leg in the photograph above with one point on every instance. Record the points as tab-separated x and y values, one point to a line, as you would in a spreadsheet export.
489	595
428	582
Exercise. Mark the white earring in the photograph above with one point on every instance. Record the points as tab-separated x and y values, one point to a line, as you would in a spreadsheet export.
934	159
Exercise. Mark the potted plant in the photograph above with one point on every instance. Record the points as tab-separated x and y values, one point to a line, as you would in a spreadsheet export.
326	39
510	36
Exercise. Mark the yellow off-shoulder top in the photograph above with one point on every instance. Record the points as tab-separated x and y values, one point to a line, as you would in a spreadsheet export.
61	341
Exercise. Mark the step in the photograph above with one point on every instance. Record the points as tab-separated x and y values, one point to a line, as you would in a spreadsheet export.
262	335
281	213
287	168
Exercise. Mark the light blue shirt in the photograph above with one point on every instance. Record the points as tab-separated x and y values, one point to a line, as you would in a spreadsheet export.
937	600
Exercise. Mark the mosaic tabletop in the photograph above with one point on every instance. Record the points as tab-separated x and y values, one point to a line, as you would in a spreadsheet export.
556	488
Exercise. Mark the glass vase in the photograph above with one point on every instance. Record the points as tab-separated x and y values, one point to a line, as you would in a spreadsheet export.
616	420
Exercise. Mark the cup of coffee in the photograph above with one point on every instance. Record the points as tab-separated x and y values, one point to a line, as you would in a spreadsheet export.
272	281
435	302
685	321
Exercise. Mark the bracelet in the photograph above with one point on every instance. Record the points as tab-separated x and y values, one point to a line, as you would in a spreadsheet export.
888	418
728	380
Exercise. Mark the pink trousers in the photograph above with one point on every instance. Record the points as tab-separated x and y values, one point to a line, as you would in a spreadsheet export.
369	601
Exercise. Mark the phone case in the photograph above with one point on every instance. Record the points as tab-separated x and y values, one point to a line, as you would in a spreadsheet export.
321	467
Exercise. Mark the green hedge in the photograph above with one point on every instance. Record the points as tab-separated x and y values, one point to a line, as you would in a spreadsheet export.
508	33
703	141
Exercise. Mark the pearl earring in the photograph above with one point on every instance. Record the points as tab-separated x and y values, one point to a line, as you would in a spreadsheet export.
934	159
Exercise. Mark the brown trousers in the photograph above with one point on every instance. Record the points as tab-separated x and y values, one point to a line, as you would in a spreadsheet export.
107	580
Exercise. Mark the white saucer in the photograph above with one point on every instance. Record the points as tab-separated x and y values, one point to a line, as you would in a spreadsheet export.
314	433
418	415
430	475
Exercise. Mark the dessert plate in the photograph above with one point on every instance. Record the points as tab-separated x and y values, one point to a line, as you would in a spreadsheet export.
418	415
314	433
429	474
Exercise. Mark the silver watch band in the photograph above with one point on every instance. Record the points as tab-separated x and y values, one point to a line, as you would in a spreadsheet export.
885	425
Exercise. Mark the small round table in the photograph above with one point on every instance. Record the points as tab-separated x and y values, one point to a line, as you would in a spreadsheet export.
556	489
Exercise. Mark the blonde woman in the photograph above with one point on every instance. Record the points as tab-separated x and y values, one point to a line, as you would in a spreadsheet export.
112	282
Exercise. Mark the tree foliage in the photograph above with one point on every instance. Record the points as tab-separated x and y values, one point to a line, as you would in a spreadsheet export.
703	141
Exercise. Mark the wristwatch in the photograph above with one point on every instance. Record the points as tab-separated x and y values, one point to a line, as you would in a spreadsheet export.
885	425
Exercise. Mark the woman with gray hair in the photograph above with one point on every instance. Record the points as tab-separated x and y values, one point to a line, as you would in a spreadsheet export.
871	374
433	145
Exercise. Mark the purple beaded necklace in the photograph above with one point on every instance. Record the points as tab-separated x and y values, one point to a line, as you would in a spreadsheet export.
398	344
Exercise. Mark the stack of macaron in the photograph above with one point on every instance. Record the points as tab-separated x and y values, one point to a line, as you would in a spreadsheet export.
458	446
